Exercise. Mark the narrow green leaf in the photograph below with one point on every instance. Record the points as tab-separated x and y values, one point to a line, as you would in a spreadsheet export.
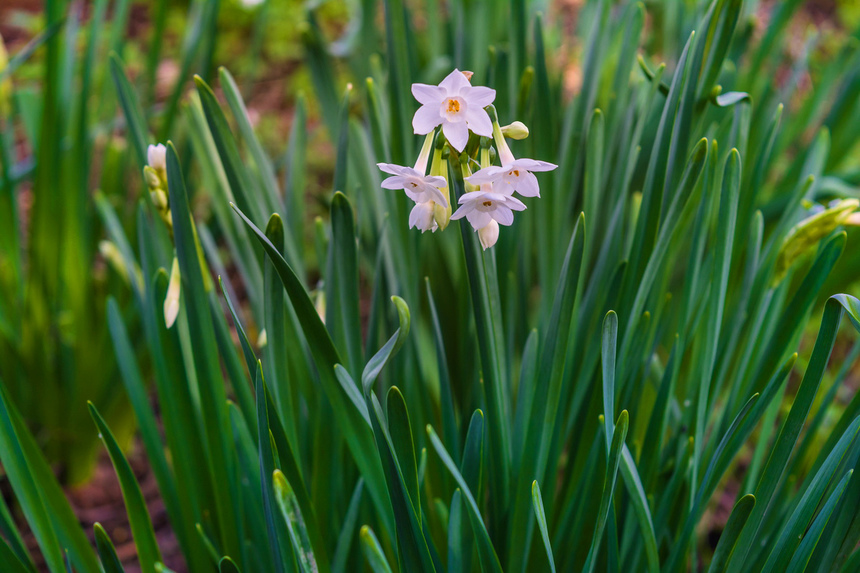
227	565
107	553
136	125
347	531
373	552
813	535
295	523
731	532
540	515
138	514
213	399
488	558
613	459
404	447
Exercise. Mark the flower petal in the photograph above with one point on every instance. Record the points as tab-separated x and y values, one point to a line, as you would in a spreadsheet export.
463	211
503	187
478	120
534	164
479	219
486	175
436	181
428	95
527	185
432	193
425	119
396	182
515	204
479	96
503	215
454	82
457	134
394	169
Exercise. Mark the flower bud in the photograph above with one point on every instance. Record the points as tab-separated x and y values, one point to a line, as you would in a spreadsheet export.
441	215
422	217
468	74
804	237
171	300
114	258
516	130
159	199
153	181
156	157
489	234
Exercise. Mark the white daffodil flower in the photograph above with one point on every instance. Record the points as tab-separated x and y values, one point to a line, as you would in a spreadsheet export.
418	187
481	207
517	175
489	234
156	157
456	105
514	174
422	216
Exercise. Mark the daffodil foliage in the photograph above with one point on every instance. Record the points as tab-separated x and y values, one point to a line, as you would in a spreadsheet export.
633	350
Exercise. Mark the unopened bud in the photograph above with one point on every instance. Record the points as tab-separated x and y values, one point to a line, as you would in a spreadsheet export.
159	199
441	215
489	234
153	180
804	237
171	300
517	130
156	157
114	258
468	74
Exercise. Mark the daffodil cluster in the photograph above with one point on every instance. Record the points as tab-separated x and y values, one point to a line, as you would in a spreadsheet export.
449	115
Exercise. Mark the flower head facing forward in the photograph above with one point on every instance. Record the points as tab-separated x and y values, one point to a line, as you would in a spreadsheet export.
456	105
481	207
418	187
518	175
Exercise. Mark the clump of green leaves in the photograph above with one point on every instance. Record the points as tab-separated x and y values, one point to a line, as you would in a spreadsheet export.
574	398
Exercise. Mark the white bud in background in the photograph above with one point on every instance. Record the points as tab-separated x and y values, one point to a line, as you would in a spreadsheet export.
171	300
489	234
156	157
516	130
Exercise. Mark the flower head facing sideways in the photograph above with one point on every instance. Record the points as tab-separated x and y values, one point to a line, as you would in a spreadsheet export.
418	187
481	207
456	105
518	175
